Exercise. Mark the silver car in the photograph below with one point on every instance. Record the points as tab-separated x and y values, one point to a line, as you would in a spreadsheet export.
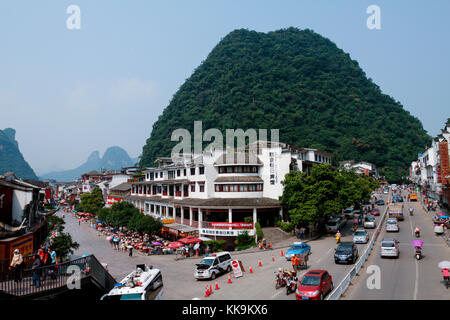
360	236
392	225
389	248
369	222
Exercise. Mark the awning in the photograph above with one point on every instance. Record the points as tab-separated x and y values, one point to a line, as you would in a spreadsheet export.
180	227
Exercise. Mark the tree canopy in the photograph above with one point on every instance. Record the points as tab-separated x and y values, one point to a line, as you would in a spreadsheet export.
91	202
302	84
324	192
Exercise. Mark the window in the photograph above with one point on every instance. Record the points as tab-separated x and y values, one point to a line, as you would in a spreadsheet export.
202	170
251	187
234	188
229	169
192	171
243	188
178	172
193	187
221	170
259	187
184	172
202	187
225	188
254	169
238	169
246	169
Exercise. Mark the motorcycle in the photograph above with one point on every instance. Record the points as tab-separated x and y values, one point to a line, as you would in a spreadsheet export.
418	254
280	282
292	286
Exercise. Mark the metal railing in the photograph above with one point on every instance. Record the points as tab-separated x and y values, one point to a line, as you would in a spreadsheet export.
55	276
343	285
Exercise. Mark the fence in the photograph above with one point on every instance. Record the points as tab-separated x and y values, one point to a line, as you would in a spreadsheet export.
89	266
343	285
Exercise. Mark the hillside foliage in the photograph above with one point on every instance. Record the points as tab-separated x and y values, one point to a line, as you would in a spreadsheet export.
301	83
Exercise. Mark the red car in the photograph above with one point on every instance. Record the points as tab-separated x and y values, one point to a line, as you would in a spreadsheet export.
315	285
375	212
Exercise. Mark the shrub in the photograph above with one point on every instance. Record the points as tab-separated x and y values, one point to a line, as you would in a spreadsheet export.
244	239
285	226
215	245
259	232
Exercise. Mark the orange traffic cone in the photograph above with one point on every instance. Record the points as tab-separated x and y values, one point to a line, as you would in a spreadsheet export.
210	289
282	253
259	263
217	286
250	269
229	279
207	293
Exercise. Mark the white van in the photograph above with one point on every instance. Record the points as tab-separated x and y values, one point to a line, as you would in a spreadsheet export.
213	265
145	283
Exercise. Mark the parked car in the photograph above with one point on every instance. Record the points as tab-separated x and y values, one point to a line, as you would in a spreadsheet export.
297	248
333	225
211	266
389	248
356	212
381	202
360	236
392	225
346	252
369	222
349	213
315	285
375	212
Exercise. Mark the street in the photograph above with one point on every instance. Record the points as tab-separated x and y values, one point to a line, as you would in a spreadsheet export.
180	284
405	277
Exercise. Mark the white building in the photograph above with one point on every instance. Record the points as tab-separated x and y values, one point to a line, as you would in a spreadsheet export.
363	168
222	193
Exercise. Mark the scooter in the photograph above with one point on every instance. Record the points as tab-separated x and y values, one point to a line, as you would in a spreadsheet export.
417	234
418	254
292	286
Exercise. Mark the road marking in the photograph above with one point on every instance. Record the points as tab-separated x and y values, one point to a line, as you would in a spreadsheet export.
416	282
276	294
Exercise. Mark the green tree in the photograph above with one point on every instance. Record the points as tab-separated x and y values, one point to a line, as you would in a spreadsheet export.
64	245
92	202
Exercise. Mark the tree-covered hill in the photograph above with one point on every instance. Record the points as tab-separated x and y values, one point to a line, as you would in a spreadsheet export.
301	83
11	159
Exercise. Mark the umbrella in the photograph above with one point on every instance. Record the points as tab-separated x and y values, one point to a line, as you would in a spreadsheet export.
157	243
189	240
175	244
417	243
196	246
444	217
98	221
444	265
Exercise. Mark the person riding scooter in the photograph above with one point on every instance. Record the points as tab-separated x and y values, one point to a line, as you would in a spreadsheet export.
418	253
291	283
411	211
338	237
417	232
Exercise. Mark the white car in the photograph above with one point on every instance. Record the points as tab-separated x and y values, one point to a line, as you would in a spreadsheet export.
360	236
369	222
392	225
333	225
211	266
389	248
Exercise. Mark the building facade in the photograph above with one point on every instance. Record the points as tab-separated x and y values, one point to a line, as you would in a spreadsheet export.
222	194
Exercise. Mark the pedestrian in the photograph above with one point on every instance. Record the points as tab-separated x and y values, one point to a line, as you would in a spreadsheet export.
36	271
54	262
302	233
79	222
17	265
130	251
294	261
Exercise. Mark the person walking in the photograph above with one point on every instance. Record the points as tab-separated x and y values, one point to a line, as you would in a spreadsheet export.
17	265
302	233
130	254
36	271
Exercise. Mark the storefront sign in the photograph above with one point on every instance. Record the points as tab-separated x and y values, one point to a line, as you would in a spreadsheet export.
232	224
168	221
443	152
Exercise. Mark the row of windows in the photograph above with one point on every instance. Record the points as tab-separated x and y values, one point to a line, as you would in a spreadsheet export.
172	173
319	158
238	169
238	187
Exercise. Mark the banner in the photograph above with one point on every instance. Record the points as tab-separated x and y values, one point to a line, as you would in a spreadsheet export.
232	224
237	271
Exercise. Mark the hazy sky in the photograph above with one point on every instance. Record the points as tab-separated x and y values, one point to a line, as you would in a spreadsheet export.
70	92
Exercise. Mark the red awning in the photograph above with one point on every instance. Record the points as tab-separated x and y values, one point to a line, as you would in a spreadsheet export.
189	240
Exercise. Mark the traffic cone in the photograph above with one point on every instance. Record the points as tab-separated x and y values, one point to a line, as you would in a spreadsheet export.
250	269
259	263
282	253
217	286
210	289
273	259
207	293
229	279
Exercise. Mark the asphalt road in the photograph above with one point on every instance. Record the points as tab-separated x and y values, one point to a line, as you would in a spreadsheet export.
179	282
406	278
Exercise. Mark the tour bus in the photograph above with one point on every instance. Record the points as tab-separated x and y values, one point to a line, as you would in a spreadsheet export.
144	283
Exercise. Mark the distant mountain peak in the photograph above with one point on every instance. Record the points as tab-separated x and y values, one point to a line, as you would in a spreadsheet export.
114	158
11	159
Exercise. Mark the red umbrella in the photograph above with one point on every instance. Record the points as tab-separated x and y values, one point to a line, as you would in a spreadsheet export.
189	240
174	245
